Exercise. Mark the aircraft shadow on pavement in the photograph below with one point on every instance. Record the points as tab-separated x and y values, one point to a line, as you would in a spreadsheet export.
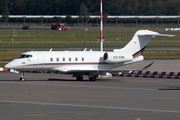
86	80
171	88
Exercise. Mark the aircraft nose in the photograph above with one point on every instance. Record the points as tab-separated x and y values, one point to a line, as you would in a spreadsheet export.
7	66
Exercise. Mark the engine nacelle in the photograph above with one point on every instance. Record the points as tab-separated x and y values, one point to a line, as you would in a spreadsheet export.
116	57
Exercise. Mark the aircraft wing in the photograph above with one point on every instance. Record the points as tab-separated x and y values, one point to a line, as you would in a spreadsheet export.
113	71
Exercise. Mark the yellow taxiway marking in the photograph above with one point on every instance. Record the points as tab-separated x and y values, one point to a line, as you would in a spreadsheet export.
148	118
7	104
10	92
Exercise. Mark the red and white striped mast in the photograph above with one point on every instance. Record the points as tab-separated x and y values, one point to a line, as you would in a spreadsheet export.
101	29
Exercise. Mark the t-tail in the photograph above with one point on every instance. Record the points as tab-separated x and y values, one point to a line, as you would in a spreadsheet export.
139	42
132	51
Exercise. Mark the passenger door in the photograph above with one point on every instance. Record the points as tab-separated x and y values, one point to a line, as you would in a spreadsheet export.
40	61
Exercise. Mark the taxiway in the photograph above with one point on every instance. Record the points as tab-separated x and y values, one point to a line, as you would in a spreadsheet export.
56	96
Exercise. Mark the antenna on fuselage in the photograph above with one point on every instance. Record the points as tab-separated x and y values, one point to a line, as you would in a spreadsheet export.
50	49
85	49
101	28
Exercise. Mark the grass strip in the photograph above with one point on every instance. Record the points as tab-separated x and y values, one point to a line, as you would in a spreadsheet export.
77	39
161	54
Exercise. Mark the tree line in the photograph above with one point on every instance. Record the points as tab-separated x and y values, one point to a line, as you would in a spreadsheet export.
89	7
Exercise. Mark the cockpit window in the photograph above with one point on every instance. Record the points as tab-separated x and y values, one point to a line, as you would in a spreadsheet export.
24	56
28	56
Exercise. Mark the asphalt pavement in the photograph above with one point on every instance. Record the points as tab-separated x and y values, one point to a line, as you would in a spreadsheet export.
54	96
58	96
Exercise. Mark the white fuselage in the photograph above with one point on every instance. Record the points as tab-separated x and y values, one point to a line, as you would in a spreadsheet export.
62	61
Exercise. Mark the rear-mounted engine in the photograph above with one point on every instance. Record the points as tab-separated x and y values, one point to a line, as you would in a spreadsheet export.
116	57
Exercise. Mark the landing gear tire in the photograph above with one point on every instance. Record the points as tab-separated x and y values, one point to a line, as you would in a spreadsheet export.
22	79
79	78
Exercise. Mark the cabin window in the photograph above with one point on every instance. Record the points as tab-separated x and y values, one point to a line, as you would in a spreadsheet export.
63	59
82	59
69	59
51	59
57	59
76	59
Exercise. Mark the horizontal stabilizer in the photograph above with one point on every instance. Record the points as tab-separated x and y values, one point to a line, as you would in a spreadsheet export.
160	35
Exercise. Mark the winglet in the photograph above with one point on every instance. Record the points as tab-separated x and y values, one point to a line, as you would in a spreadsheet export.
147	66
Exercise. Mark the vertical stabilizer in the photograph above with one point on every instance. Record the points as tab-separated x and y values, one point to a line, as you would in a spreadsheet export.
139	42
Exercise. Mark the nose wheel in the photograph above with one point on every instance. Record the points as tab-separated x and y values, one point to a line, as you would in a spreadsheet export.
22	77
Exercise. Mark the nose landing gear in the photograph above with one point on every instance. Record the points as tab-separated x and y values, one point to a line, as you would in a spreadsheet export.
22	77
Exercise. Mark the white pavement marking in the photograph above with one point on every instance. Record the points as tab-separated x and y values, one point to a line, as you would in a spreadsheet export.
89	106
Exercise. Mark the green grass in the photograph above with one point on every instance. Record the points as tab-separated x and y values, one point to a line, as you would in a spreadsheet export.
161	54
2	64
56	39
69	39
8	55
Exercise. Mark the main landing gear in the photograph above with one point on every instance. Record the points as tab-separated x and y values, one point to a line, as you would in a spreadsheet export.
92	78
80	77
22	77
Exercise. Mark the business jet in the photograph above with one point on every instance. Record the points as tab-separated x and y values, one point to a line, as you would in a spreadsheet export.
80	63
